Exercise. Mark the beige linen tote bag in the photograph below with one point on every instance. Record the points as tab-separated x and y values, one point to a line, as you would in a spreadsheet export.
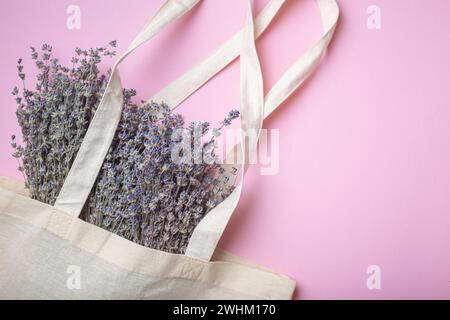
42	246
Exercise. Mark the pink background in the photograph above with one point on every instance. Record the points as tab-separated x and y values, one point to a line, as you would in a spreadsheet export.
364	174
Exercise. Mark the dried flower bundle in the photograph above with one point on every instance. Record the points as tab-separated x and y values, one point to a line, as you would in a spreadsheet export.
141	193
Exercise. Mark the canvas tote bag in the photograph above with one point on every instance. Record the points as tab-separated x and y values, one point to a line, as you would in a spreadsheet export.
42	247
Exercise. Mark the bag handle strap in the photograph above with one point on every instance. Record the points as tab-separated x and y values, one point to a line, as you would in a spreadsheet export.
98	138
187	84
300	70
208	232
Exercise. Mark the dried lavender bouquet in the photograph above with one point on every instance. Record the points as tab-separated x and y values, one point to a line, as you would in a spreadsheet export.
140	193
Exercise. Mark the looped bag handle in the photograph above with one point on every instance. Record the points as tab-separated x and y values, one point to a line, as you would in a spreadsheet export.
93	150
